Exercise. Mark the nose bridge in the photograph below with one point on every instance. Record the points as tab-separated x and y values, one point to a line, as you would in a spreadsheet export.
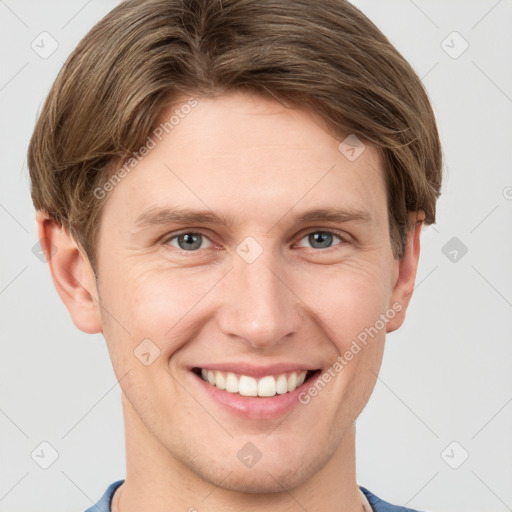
258	306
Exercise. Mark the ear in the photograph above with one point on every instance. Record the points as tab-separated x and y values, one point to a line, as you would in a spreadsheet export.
71	272
406	272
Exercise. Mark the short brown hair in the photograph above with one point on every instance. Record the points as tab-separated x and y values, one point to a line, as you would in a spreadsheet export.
325	56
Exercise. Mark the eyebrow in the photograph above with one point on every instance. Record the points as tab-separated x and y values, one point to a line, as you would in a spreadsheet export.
163	216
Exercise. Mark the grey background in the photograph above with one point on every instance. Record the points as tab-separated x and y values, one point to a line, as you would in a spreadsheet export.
446	375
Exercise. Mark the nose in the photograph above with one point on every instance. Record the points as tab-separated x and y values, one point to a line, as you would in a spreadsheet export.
258	305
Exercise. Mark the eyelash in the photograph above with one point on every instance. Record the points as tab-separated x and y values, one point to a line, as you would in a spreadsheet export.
166	240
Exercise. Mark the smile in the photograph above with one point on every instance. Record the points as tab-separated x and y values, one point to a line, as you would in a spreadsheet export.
244	385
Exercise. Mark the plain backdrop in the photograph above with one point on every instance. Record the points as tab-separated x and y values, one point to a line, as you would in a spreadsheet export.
436	434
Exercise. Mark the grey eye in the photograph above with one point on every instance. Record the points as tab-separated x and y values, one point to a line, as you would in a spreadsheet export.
321	239
187	241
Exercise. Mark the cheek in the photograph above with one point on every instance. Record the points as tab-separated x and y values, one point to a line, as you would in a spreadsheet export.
349	303
164	306
347	299
169	306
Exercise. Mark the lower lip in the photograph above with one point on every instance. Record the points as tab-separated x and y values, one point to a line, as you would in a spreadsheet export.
256	407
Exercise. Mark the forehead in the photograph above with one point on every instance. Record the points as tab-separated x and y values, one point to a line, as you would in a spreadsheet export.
250	158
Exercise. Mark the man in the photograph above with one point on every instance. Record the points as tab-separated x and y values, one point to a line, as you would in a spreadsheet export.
232	192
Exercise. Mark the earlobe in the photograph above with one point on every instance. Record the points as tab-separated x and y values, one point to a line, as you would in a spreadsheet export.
407	267
71	273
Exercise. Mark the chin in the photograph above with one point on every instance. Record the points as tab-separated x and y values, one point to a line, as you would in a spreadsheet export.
266	477
264	481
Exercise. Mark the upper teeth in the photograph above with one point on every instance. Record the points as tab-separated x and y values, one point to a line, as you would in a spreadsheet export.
249	386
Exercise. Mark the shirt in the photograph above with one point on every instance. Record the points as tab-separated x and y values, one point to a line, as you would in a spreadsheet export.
377	505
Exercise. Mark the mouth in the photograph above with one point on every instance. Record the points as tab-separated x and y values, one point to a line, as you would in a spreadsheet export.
267	386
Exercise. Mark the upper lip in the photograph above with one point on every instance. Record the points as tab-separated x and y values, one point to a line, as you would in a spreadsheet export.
252	370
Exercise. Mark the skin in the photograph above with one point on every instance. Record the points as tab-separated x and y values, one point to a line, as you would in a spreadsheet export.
259	164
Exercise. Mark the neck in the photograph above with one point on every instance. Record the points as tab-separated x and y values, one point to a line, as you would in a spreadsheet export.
157	480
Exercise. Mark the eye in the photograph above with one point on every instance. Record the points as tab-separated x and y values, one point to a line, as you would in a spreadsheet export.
188	241
321	239
191	241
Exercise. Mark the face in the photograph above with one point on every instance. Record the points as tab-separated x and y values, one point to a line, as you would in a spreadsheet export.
247	243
